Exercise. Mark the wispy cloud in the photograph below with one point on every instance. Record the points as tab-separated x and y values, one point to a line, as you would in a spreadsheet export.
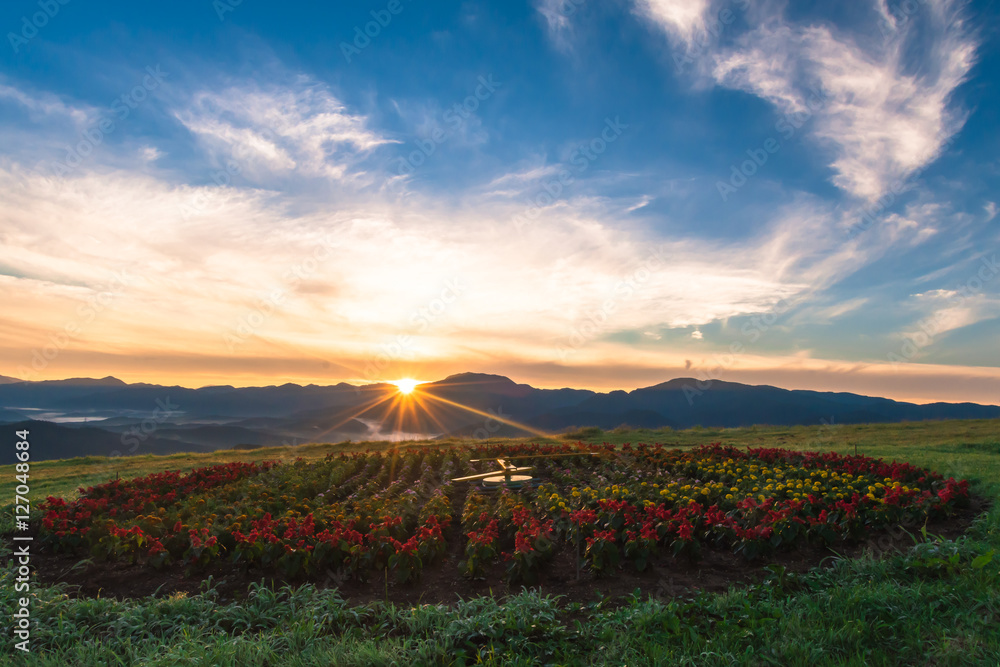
302	127
558	15
46	104
384	260
944	310
885	115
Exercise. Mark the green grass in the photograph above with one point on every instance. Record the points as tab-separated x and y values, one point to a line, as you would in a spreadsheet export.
937	603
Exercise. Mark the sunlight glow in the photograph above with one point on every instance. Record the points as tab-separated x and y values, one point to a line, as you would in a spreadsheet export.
406	385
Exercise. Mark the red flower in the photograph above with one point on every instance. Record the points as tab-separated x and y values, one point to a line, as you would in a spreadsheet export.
685	530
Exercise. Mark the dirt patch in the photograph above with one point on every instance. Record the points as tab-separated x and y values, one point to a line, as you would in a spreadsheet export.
442	583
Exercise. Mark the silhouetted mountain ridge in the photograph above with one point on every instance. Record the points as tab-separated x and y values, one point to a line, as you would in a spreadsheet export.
54	441
474	405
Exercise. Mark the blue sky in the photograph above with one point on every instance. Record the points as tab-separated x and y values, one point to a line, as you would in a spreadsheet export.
601	195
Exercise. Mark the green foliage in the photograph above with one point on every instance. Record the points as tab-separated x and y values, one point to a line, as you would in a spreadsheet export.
602	553
935	603
477	557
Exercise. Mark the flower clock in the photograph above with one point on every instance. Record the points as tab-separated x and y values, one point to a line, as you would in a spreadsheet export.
365	512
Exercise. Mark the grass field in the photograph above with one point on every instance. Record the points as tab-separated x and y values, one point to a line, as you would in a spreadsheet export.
937	603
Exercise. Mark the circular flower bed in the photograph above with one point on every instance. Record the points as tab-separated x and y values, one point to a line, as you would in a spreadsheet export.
358	513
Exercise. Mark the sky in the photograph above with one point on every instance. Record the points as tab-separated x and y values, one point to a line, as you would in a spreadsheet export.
603	195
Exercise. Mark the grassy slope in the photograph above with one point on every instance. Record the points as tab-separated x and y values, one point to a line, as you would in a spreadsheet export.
906	609
931	444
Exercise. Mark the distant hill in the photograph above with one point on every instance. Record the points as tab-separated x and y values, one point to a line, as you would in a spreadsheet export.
51	393
110	394
7	416
686	402
466	404
54	441
681	403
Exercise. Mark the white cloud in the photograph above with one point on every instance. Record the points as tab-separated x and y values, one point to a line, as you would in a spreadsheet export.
887	22
825	314
884	116
385	261
557	15
642	203
527	175
389	259
944	310
302	127
150	153
682	19
47	104
881	121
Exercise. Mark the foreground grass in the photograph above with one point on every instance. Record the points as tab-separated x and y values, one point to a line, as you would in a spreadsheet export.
935	604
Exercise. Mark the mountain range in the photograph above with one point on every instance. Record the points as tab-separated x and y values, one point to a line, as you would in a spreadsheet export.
84	416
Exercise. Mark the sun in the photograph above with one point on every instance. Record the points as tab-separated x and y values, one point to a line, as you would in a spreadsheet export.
406	385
